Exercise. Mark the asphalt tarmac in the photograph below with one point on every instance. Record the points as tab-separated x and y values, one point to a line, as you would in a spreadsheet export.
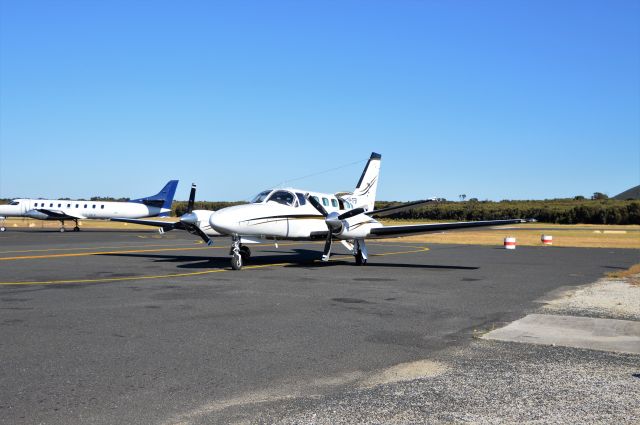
131	327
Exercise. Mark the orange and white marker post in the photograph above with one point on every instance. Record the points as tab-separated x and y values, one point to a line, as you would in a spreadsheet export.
546	239
510	243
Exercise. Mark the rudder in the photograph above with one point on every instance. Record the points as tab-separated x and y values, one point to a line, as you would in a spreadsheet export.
364	194
162	199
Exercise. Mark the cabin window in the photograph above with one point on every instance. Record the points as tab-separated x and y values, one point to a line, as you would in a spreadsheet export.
283	197
94	206
101	207
59	205
260	197
77	206
301	198
325	202
68	205
41	204
85	205
334	203
316	198
50	205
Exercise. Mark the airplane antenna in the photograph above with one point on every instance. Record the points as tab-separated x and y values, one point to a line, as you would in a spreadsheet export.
318	173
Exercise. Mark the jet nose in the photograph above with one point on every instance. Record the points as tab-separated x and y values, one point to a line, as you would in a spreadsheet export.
225	222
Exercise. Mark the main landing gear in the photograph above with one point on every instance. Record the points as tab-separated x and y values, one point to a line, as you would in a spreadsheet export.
360	252
75	229
239	254
2	228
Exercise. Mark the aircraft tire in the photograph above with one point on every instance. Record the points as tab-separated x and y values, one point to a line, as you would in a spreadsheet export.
245	252
2	229
359	260
76	229
236	262
62	230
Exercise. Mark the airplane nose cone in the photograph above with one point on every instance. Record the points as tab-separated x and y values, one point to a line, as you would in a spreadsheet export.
224	222
189	218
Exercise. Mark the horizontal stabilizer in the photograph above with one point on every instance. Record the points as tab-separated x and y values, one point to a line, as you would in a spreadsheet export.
382	212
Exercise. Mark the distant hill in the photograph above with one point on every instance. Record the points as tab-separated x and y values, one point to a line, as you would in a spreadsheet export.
633	193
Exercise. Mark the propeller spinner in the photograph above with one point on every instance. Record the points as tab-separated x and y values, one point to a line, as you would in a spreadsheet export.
334	222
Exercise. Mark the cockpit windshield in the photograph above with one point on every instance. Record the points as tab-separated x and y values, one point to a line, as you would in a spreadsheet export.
260	197
283	197
15	203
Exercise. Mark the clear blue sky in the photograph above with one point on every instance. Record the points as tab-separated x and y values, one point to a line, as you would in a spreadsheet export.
493	99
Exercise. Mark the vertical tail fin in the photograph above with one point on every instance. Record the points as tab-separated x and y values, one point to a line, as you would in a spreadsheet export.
162	199
365	193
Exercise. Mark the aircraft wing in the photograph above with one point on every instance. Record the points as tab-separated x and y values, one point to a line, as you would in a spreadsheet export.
169	225
166	225
59	215
413	229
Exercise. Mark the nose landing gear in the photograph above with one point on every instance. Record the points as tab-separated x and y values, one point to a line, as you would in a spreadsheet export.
239	254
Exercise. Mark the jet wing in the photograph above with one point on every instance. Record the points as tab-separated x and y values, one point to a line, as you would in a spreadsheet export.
413	229
59	215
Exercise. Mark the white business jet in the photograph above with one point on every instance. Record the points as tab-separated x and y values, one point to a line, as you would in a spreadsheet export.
295	214
158	205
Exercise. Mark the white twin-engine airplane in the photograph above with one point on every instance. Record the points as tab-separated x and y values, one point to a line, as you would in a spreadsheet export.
293	214
72	210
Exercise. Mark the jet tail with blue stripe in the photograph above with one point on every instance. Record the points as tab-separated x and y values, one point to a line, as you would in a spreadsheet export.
162	199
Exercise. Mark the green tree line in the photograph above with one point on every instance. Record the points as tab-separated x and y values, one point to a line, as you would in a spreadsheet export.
561	211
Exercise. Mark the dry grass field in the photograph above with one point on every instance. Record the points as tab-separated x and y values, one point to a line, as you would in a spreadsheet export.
579	235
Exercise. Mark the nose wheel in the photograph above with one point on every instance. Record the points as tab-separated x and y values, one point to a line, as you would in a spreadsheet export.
239	254
236	261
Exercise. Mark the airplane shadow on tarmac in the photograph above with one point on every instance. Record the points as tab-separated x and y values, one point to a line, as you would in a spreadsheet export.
299	258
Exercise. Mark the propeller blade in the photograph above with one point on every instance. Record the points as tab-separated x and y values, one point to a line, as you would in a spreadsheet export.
351	213
327	247
317	205
204	236
192	198
193	229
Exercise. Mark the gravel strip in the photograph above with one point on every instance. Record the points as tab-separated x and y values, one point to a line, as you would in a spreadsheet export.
487	382
607	298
